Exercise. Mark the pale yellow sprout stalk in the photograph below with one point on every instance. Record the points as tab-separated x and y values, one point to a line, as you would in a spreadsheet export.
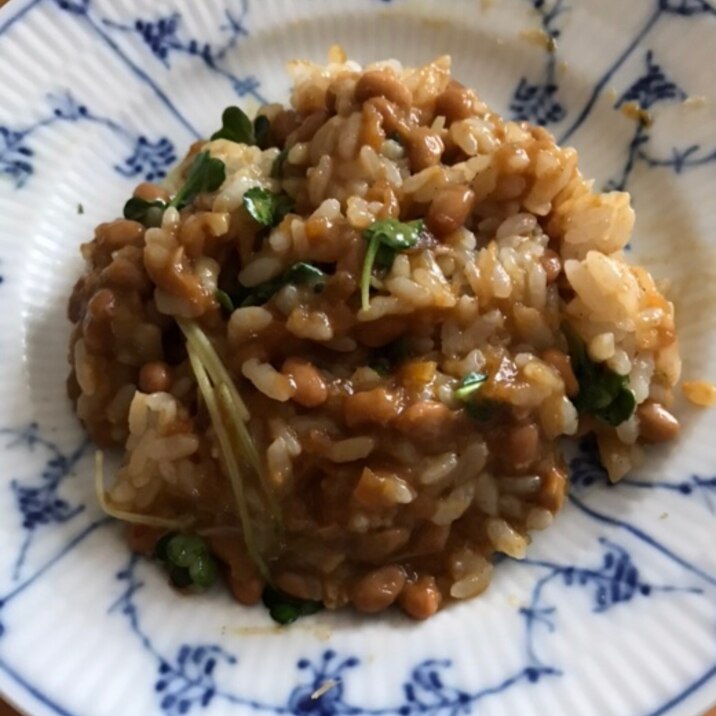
169	523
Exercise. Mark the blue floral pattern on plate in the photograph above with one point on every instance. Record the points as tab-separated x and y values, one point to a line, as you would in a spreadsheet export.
538	102
148	160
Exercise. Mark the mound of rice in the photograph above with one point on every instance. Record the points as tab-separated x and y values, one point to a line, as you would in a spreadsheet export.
405	440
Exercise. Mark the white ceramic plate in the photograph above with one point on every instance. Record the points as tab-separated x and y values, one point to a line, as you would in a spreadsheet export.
614	612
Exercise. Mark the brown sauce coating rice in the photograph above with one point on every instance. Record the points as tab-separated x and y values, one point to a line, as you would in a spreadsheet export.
390	492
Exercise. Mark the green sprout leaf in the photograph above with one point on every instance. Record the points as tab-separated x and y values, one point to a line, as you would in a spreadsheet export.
602	393
476	405
265	207
187	559
160	549
148	213
184	549
394	234
469	386
286	610
236	127
385	238
301	273
225	301
180	577
202	571
381	366
277	166
483	410
389	357
206	174
620	409
305	274
262	127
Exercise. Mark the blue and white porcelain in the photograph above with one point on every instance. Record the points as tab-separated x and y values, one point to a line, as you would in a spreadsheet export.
613	613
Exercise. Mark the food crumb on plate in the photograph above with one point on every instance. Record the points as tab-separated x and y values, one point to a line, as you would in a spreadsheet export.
700	392
540	38
695	102
635	111
319	631
323	689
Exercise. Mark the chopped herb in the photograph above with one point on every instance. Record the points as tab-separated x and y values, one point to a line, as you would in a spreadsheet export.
236	127
469	386
394	234
384	258
301	273
385	238
602	392
398	350
160	549
206	174
286	610
305	274
224	300
482	410
203	571
382	367
179	577
80	209
391	356
621	408
265	207
476	406
277	166
187	560
148	213
183	549
262	127
258	295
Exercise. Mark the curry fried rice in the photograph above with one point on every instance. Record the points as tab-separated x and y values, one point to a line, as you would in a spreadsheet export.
339	345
